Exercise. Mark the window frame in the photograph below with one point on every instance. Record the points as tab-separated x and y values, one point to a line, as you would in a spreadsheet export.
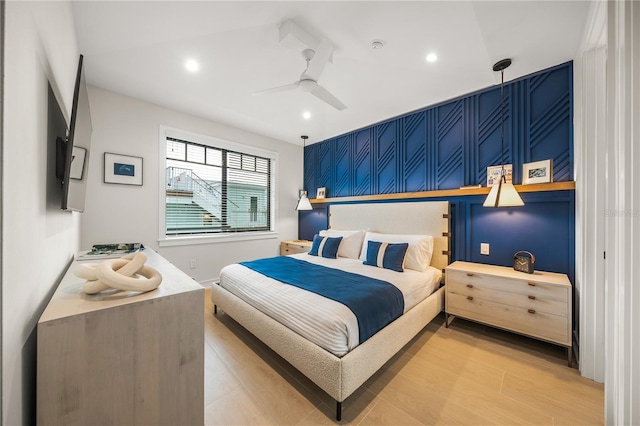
165	240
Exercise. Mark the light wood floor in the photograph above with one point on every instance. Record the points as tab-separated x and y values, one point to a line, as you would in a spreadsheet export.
467	374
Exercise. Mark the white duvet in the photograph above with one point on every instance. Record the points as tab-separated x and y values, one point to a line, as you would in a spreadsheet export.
325	322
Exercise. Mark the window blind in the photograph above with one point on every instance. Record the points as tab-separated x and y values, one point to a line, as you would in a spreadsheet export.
215	190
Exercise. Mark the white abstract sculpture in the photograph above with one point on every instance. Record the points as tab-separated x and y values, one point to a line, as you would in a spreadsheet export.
127	273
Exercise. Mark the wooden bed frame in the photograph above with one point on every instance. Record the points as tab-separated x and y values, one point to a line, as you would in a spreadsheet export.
341	376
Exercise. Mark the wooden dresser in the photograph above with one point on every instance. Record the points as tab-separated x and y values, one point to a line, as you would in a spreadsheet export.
123	358
294	246
537	305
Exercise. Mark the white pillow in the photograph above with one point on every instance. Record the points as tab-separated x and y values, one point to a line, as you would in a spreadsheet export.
418	255
351	242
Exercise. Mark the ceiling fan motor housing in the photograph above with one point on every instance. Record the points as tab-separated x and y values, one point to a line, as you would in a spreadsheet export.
307	85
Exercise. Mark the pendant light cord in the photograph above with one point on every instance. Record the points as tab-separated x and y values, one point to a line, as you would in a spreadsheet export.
304	141
502	124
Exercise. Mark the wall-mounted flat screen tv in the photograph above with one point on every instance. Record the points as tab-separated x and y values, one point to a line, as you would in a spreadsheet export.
73	151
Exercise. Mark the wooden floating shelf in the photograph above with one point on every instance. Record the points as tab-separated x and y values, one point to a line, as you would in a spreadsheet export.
538	187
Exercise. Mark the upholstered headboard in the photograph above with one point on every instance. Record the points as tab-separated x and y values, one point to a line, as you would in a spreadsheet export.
425	217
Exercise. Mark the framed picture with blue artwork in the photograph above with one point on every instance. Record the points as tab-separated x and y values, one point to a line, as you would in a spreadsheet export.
122	169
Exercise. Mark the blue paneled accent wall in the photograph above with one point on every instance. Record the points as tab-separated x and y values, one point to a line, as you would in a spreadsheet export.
451	144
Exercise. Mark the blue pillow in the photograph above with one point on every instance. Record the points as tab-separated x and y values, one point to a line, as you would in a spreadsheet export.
386	255
325	246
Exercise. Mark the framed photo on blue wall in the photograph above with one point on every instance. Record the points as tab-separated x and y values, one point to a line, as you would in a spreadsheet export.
494	173
537	172
122	169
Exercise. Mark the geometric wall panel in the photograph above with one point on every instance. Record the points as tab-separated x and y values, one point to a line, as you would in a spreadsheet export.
451	144
362	166
487	118
386	147
325	162
414	161
548	122
343	159
310	168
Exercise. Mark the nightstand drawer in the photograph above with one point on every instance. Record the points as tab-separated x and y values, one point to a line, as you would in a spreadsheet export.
531	322
294	247
528	286
523	300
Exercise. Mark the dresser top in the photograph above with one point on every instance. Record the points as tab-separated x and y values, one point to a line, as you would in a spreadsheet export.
70	300
507	272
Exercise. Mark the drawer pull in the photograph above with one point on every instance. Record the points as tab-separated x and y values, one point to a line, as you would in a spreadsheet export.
469	297
532	311
532	297
531	283
469	285
469	274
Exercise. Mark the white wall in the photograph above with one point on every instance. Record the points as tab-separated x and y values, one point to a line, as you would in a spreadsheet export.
38	239
123	213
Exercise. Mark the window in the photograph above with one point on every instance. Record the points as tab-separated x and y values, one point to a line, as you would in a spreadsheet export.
254	209
214	189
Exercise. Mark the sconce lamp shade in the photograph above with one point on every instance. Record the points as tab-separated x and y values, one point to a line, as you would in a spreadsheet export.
503	194
303	202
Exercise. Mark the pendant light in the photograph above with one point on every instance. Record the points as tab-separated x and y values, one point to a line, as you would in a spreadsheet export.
503	194
303	201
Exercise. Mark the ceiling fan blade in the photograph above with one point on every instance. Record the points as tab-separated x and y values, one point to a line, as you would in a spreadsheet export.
320	59
291	86
324	95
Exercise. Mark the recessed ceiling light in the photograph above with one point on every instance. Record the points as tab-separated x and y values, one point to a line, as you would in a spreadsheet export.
377	44
192	65
432	57
306	115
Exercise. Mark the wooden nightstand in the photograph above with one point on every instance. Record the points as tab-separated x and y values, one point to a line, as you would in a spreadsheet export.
294	246
537	305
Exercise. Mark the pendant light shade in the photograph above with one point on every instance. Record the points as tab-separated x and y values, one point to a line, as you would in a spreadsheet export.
303	200
503	194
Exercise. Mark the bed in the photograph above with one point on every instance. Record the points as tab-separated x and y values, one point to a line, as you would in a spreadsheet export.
340	367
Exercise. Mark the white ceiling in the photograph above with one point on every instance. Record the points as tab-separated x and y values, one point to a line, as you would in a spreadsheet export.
138	48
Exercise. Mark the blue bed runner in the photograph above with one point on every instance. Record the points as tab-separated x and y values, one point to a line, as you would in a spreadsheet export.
374	302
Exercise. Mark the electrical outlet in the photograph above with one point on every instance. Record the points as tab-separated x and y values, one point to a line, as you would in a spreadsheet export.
484	248
192	264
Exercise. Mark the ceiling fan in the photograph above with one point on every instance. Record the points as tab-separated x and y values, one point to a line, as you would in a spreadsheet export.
308	81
